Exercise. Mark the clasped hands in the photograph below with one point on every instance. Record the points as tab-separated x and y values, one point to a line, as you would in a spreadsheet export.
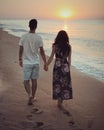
45	67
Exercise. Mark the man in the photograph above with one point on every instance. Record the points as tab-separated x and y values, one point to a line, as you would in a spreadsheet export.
29	46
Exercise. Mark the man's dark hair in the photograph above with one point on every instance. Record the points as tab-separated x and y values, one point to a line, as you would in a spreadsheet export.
33	24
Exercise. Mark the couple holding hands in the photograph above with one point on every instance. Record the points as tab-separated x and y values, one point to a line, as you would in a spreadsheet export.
30	45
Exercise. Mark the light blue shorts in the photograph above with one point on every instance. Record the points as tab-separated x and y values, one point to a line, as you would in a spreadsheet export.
31	71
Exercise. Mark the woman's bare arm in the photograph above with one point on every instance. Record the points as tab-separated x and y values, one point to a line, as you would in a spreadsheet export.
69	57
51	56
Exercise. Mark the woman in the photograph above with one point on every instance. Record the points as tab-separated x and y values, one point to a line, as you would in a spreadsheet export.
62	89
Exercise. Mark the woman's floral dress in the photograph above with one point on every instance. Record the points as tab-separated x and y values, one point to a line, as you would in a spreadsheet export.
62	87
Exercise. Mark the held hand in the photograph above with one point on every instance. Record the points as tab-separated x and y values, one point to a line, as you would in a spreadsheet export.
20	63
45	67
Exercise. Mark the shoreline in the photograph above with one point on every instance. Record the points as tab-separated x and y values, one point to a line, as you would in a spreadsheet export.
87	74
86	105
90	66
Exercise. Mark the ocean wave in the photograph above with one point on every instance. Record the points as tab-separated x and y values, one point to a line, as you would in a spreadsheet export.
88	40
91	70
93	44
2	25
18	30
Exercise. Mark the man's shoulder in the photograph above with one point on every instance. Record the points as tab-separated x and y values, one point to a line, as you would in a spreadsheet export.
24	35
38	36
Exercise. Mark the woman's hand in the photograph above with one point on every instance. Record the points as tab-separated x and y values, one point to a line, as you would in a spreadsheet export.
45	67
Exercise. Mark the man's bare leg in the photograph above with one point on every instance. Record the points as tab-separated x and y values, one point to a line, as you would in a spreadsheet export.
34	87
28	90
27	87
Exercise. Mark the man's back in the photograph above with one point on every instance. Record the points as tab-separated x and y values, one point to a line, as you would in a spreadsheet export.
31	43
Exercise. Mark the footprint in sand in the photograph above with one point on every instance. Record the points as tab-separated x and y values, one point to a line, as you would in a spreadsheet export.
2	116
38	124
67	113
29	124
73	124
36	111
29	117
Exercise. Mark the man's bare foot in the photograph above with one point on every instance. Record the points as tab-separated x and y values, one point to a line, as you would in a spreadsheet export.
30	102
34	99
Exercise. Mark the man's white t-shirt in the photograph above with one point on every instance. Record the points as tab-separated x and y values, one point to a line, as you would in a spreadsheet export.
31	43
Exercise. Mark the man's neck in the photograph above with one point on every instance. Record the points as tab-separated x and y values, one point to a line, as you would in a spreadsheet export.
32	31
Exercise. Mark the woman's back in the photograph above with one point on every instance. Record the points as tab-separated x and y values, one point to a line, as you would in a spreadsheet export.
62	52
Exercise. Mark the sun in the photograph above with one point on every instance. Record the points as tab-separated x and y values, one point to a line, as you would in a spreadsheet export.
65	13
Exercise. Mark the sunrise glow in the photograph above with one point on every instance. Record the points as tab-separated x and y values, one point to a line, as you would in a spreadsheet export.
65	27
54	9
65	13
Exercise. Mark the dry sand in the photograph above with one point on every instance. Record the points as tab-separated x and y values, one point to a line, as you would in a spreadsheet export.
86	109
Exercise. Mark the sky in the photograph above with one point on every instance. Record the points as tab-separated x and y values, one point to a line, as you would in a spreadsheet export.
52	9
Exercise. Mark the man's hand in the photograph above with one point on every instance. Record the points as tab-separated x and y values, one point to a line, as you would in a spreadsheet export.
20	62
45	67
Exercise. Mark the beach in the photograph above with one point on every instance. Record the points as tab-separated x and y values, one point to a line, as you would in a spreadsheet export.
86	108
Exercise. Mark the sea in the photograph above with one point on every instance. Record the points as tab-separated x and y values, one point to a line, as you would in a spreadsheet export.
86	38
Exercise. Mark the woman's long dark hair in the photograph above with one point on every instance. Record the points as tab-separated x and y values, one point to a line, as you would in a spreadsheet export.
62	42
